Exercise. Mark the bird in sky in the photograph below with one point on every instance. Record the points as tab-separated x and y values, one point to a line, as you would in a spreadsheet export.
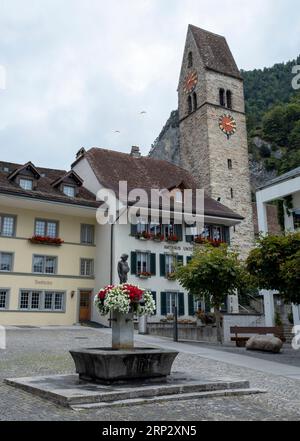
117	131
143	112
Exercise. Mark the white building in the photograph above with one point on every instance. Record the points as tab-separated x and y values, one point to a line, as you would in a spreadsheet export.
287	185
151	261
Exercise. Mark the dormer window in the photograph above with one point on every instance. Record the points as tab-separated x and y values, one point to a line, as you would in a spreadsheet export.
69	190
69	184
26	184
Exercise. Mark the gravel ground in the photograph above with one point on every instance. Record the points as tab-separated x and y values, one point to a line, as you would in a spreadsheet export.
33	352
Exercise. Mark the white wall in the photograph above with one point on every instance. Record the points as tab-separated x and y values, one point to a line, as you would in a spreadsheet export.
240	320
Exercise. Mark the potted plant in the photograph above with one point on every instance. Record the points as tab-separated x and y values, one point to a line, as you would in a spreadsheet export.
171	276
158	237
172	238
144	275
143	236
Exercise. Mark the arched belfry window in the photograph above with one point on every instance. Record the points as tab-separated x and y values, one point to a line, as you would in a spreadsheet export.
195	102
190	59
222	97
190	104
229	99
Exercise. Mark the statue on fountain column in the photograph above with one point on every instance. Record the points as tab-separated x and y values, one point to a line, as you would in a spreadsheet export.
123	268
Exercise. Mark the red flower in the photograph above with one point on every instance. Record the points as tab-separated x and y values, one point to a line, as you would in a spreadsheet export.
102	293
135	293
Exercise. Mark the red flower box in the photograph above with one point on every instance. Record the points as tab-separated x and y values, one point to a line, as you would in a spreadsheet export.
46	240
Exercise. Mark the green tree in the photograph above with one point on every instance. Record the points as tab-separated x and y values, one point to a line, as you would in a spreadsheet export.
213	273
275	265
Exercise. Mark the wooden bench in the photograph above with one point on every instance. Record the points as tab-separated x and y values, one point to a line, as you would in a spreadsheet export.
277	331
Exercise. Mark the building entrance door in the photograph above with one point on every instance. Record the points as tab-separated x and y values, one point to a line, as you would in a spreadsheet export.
85	306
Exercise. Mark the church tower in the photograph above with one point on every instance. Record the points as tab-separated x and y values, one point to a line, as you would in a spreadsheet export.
212	127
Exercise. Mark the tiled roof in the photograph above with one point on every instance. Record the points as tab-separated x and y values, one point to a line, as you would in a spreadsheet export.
146	173
215	52
45	189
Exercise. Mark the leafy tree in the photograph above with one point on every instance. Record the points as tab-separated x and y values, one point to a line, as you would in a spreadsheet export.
213	273
275	265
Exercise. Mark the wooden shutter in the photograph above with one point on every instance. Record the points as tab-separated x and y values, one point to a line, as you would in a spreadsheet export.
133	262
191	305
188	259
181	304
189	239
227	235
180	260
155	299
178	231
153	264
162	262
163	303
133	229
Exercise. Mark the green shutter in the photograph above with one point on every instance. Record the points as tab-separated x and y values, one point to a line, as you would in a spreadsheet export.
163	303
191	305
189	239
178	231
162	262
188	259
153	264
133	229
227	235
181	304
133	262
180	260
155	299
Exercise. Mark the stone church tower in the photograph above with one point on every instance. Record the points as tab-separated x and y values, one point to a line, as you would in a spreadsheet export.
212	126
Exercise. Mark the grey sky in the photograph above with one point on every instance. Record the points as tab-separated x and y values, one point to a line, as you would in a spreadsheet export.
77	71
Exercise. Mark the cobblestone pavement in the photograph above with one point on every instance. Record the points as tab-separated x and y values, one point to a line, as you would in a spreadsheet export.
40	352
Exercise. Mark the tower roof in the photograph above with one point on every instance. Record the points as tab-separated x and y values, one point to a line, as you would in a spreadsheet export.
215	52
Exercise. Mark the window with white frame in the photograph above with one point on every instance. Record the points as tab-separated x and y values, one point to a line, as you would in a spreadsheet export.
86	267
143	263
171	302
44	264
4	298
7	225
42	300
69	190
6	262
26	184
142	225
46	228
87	234
155	228
170	263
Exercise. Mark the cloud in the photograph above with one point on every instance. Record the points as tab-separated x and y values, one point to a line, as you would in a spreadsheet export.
78	71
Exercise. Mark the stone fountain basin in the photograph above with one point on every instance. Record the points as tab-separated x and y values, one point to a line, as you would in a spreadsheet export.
105	365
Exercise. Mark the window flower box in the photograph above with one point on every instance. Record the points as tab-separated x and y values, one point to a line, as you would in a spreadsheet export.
159	238
143	236
202	240
144	275
172	238
45	240
171	276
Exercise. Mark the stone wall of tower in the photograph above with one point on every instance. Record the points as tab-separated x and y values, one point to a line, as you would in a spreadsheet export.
205	149
193	143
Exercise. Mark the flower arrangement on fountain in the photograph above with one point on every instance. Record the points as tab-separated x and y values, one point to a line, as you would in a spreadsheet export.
124	299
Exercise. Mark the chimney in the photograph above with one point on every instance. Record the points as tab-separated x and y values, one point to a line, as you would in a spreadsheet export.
80	152
135	152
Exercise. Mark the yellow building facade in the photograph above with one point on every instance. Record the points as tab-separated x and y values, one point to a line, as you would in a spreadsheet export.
43	283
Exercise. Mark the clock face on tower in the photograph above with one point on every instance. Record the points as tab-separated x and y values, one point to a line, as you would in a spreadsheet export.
190	82
227	124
